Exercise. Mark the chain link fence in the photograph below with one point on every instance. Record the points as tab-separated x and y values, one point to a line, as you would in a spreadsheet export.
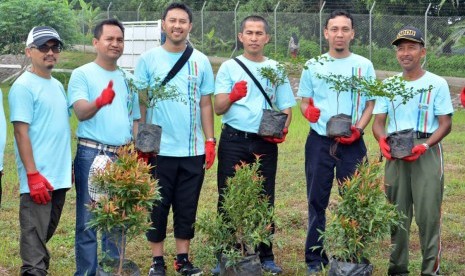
215	33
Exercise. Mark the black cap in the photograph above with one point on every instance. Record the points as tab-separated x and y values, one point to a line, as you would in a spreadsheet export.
409	33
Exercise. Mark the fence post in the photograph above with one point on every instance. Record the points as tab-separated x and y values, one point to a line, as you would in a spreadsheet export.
426	31
201	18
370	26
108	10
275	29
138	10
235	28
321	26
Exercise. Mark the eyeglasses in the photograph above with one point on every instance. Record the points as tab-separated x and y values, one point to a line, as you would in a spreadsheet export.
45	48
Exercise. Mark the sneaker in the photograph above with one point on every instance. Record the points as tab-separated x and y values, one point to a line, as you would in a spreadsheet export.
313	270
270	267
187	268
216	271
157	270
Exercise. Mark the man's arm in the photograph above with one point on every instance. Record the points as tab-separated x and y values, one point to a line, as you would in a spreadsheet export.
445	127
206	110
303	105
379	125
288	111
222	103
85	110
366	115
21	133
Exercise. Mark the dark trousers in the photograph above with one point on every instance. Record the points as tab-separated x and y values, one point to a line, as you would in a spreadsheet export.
319	172
235	147
38	223
180	180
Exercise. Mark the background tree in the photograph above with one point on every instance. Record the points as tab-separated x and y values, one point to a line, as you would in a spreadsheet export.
19	16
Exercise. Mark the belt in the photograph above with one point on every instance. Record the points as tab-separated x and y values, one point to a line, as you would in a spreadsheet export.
96	145
422	135
248	135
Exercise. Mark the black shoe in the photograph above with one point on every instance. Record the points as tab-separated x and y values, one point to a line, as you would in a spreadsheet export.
186	268
313	270
157	269
270	267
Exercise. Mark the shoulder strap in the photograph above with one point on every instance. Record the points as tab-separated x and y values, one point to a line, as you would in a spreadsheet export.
178	65
257	83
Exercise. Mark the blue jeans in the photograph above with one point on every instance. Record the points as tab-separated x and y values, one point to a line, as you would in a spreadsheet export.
86	243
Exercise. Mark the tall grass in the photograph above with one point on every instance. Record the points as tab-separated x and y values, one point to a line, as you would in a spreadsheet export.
291	209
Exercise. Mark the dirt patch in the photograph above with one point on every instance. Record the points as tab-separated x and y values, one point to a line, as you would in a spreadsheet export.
10	60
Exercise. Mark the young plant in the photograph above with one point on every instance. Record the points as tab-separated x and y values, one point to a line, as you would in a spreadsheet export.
149	96
244	221
286	67
340	84
392	88
362	218
129	194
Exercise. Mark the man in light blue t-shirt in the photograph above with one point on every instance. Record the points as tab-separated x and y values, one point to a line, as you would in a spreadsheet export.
416	182
2	141
40	117
241	103
106	109
187	144
324	155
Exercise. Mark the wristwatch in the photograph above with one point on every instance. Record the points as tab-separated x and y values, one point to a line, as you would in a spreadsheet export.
426	146
211	140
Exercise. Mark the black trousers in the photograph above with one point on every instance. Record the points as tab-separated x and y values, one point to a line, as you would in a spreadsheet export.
237	146
180	180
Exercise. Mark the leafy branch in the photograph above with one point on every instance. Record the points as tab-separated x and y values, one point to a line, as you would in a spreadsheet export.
391	88
340	83
151	95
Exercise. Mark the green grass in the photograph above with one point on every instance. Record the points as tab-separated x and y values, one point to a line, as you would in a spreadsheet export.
73	59
291	206
291	209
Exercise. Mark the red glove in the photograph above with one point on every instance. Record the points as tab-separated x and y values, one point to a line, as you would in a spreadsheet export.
239	91
275	140
209	154
417	151
385	148
462	96
312	113
107	96
39	188
143	156
349	140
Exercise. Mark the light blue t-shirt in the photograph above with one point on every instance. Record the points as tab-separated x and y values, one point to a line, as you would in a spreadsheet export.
325	98
2	131
246	113
112	124
41	103
182	133
420	112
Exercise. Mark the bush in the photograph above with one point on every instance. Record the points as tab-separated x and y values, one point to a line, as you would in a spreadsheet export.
362	218
244	221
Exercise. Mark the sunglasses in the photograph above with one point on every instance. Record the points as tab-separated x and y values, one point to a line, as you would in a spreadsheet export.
45	48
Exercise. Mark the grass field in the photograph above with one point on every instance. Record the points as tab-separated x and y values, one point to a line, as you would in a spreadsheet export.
291	209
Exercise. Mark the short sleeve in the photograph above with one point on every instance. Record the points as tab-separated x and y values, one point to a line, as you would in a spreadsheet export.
21	103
